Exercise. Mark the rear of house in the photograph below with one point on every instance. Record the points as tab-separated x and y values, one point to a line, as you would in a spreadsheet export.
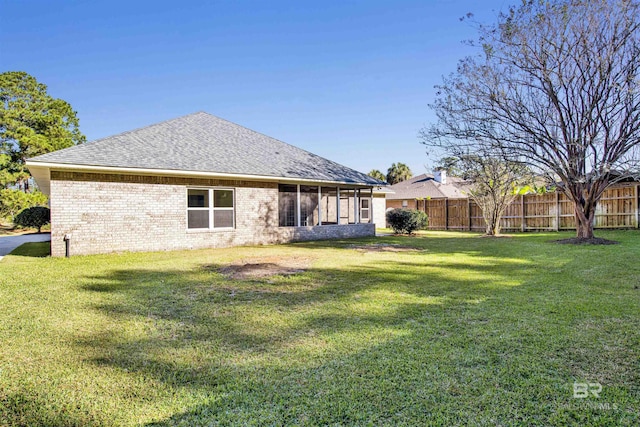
199	182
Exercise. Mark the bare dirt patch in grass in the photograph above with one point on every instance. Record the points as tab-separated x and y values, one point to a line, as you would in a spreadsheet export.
264	267
384	247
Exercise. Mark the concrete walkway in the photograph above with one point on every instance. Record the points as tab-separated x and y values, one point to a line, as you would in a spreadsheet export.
9	243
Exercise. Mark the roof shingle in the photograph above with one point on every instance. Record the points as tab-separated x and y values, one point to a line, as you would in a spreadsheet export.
201	142
423	186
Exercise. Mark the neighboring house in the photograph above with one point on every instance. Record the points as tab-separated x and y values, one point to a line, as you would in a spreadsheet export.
198	182
413	193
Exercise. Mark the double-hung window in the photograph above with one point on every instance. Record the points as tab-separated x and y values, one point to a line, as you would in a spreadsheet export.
364	210
210	208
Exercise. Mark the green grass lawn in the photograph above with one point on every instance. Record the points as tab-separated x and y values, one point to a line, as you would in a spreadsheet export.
462	331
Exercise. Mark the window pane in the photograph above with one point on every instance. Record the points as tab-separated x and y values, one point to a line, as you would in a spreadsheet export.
346	210
308	205
365	214
329	205
287	209
222	218
198	219
365	203
222	198
287	201
198	198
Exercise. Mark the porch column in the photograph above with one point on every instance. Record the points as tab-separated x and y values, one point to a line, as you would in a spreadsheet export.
371	206
356	205
338	204
319	205
298	215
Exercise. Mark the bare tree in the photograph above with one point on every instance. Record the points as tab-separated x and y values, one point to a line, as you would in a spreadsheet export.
449	164
556	86
494	184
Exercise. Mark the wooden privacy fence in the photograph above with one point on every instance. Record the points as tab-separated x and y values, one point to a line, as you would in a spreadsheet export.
618	208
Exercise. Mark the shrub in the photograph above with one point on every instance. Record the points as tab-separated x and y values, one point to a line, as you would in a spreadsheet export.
14	201
36	216
406	221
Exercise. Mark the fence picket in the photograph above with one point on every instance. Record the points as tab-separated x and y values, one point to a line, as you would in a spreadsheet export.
618	208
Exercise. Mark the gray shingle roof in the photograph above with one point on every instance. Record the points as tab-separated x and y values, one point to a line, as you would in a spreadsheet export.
424	185
201	142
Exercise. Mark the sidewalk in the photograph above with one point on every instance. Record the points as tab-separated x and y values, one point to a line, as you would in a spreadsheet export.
9	243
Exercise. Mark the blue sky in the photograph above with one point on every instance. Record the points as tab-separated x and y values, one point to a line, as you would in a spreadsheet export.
348	80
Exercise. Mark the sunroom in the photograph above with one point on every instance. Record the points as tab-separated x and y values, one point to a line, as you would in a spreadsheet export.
309	205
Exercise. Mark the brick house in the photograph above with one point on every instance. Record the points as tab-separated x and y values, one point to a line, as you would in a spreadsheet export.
413	193
199	182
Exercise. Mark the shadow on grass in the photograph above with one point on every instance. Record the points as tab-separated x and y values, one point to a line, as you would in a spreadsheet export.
389	339
443	242
22	409
33	250
331	345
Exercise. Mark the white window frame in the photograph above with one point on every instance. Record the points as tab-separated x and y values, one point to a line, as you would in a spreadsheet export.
211	209
363	209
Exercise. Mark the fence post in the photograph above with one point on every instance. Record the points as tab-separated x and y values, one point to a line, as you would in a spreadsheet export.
446	214
469	212
635	205
429	225
523	225
557	211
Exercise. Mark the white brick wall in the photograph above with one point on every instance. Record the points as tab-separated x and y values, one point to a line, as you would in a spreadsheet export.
113	213
379	210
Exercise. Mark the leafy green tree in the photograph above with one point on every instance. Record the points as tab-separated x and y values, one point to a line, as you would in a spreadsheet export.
398	172
555	84
375	173
13	201
32	122
7	175
36	217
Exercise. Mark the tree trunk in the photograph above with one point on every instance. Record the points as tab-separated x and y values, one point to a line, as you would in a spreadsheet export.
585	199
585	211
493	223
491	231
584	224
